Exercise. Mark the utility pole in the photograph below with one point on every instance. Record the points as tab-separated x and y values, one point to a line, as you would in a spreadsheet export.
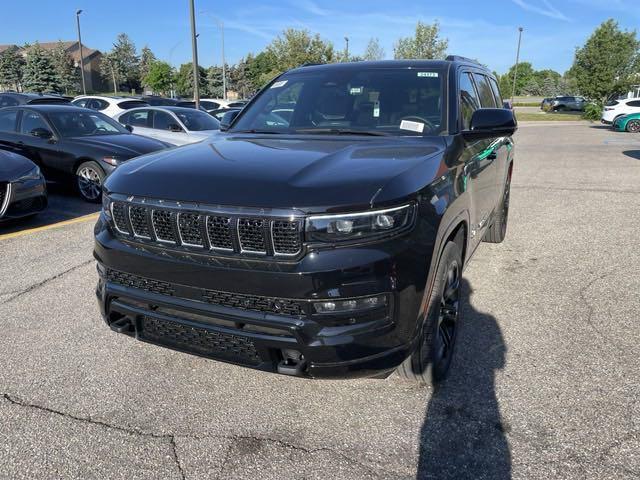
84	87
194	48
224	65
515	72
346	49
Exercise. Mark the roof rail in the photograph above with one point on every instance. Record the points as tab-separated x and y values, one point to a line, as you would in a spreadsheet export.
458	58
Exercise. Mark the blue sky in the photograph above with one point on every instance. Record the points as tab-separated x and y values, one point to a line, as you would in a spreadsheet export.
482	29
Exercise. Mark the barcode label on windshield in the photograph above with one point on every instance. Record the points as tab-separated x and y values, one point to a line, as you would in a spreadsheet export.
428	74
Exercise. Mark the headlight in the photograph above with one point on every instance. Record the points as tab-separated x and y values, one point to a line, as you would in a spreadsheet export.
111	160
33	174
357	226
106	204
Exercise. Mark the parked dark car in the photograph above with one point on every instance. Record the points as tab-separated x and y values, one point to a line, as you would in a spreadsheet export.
219	113
330	244
560	104
23	190
157	101
69	142
12	99
190	104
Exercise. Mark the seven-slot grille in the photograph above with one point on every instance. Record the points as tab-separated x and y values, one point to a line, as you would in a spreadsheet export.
218	233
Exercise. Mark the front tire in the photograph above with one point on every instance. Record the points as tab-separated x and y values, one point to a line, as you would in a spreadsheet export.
89	179
633	126
429	363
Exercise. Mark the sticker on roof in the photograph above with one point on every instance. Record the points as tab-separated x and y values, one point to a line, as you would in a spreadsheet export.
279	83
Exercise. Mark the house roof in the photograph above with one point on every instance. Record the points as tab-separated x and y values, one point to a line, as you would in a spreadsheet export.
70	46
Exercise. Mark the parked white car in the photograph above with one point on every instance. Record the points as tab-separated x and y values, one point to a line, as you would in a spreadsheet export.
618	108
175	125
213	103
110	106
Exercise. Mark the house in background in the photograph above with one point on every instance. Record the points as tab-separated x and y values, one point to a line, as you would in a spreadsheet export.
92	77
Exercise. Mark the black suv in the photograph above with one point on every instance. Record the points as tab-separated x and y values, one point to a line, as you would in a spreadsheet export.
324	232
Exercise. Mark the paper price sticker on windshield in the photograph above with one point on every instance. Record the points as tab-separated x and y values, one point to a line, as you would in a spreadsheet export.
428	74
278	84
412	126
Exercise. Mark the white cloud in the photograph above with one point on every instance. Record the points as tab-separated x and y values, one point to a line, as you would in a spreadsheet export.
545	9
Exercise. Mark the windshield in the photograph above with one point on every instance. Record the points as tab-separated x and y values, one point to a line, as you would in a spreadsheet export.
375	101
84	124
197	121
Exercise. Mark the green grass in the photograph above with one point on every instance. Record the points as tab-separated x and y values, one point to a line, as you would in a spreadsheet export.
548	117
526	104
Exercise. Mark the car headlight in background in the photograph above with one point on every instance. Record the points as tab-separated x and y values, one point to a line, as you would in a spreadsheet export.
33	174
358	226
111	160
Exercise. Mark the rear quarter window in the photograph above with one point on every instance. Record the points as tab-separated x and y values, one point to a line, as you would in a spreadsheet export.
634	103
126	105
8	120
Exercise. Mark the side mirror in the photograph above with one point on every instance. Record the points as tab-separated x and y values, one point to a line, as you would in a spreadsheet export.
228	119
174	127
42	133
129	127
490	123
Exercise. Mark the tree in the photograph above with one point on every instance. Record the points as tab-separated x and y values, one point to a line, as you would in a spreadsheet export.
373	51
11	68
109	70
425	44
159	77
609	62
39	72
239	77
297	47
67	75
147	59
526	74
214	82
184	79
123	63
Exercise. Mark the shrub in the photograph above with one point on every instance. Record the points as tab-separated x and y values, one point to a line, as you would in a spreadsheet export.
592	111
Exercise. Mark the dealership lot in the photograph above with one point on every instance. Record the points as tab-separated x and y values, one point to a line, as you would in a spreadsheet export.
545	379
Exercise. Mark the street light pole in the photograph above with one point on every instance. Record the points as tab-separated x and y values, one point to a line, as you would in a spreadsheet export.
224	65
84	87
515	72
346	40
194	48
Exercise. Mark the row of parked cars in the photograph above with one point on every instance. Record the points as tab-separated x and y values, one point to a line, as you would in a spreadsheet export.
622	114
84	139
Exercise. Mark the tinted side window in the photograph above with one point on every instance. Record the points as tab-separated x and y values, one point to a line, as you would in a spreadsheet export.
7	101
124	118
496	92
138	119
8	121
162	120
487	100
468	100
80	103
31	121
635	103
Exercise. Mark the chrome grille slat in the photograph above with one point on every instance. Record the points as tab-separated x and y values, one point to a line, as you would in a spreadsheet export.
251	235
162	222
189	228
220	233
139	223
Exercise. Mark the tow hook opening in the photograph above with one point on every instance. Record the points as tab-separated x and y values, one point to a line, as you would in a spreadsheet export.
292	363
122	325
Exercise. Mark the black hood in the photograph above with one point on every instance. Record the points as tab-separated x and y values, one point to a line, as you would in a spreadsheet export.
124	145
12	166
279	172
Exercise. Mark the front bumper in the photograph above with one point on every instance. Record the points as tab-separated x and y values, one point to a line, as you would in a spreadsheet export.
224	309
26	198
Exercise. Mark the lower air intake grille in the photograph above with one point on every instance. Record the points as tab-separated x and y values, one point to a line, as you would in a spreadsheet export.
279	306
141	283
200	340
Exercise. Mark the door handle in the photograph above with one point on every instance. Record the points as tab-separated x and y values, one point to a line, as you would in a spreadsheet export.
492	156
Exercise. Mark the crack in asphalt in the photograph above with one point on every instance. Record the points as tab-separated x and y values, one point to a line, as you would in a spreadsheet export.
42	283
171	438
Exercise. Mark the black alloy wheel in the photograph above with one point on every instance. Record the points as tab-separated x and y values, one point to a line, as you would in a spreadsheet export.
633	126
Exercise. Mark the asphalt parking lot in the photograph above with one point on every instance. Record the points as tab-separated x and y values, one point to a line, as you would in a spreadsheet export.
545	380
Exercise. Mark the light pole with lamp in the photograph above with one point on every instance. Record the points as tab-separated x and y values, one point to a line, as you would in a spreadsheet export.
194	49
84	86
515	72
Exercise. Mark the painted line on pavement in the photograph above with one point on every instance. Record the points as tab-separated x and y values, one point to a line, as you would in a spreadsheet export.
85	218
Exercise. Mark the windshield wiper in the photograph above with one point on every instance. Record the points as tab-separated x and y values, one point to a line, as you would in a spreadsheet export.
340	131
253	130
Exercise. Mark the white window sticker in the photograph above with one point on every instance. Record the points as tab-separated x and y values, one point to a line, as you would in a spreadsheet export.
428	74
412	126
278	84
376	109
355	90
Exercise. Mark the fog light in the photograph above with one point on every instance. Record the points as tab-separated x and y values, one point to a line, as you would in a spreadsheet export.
350	305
